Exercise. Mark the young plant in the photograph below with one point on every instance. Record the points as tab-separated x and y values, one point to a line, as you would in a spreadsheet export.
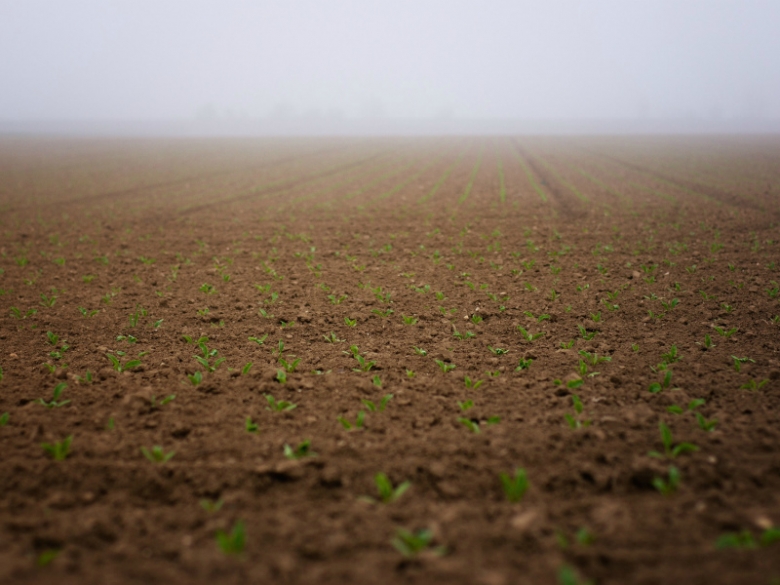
119	366
753	384
259	340
523	364
574	421
704	424
278	405
410	320
350	322
196	378
444	367
233	542
514	486
465	405
739	361
358	424
388	493
299	452
289	367
409	544
332	338
472	384
671	450
157	455
153	404
461	336
250	426
4	419
54	402
668	487
58	450
585	334
725	332
498	350
528	336
420	351
657	387
372	407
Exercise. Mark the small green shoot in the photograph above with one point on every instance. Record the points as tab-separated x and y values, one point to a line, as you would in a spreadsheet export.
514	486
58	450
157	455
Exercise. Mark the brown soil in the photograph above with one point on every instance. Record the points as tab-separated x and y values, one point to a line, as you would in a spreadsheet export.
106	242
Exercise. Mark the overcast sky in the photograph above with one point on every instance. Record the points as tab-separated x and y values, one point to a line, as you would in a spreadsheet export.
159	59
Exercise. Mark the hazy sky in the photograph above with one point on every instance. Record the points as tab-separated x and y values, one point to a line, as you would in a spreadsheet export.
159	59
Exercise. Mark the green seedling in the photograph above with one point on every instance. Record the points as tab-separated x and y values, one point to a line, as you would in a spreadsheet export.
671	451
384	314
656	387
301	451
372	407
569	576
205	360
669	486
337	300
445	367
739	361
233	542
465	405
46	557
157	455
388	493
332	338
278	405
668	306
154	404
264	314
420	351
514	486
567	344
409	544
472	384
364	365
211	506
259	340
753	384
134	317
289	367
358	424
17	314
250	426
593	358
498	350
671	356
207	288
47	301
410	373
196	378
528	336
745	539
246	368
58	450
708	344
585	334
85	313
350	322
523	364
704	424
574	422
470	425
119	366
4	419
54	402
411	320
461	336
376	381
692	405
725	332
1	374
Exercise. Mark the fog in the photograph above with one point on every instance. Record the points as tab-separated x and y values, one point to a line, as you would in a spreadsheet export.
397	66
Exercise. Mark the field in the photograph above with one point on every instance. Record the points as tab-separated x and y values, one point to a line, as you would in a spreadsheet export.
434	360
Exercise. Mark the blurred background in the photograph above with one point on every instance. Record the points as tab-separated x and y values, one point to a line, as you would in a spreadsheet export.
349	67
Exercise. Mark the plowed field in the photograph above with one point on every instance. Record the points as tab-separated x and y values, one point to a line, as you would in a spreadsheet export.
561	353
